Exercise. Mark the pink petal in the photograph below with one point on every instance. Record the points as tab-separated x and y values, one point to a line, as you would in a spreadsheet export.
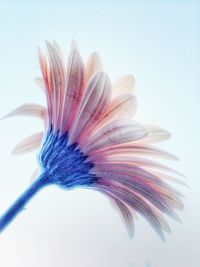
138	203
93	105
46	73
115	133
124	211
138	161
154	190
122	107
132	149
57	71
74	89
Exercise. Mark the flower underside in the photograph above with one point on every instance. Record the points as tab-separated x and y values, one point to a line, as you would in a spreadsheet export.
91	140
64	164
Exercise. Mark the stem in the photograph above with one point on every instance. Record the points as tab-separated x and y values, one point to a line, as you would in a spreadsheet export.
19	204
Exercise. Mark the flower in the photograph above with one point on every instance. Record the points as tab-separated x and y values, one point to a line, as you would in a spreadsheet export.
90	140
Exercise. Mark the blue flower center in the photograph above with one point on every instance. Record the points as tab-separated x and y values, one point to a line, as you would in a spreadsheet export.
65	164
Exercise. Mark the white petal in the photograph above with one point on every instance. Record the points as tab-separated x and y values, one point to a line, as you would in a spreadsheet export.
29	144
93	65
35	174
123	85
155	134
40	82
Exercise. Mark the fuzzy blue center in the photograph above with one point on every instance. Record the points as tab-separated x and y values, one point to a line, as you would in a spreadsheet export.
65	164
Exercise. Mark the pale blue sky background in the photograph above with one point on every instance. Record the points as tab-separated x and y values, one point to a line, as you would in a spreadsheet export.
157	41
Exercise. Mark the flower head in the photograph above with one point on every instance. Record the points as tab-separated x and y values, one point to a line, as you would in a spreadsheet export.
91	140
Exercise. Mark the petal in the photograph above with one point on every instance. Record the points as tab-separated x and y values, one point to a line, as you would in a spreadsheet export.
147	183
46	73
29	109
139	161
93	65
155	134
29	144
157	193
35	174
123	85
122	107
74	89
58	50
138	203
40	82
129	169
57	70
124	211
93	105
134	150
168	177
115	133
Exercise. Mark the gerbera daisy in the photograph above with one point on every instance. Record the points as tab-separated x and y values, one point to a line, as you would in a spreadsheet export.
90	140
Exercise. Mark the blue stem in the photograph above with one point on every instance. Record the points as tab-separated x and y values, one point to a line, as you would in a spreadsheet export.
19	204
